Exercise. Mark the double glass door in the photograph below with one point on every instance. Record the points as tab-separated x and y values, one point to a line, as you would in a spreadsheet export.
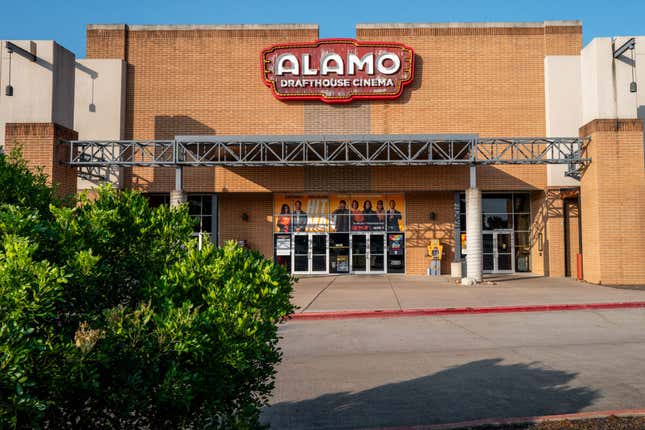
367	252
310	253
498	251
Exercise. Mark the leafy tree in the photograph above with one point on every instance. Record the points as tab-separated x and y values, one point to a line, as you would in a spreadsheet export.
110	317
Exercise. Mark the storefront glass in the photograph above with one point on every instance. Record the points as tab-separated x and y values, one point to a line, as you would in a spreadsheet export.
200	208
340	233
506	223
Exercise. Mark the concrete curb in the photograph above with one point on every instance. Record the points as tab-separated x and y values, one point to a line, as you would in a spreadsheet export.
520	420
397	313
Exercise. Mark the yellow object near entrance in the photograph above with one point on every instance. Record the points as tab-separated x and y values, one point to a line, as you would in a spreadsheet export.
435	249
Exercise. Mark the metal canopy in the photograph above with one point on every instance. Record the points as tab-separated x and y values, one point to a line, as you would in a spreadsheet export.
329	150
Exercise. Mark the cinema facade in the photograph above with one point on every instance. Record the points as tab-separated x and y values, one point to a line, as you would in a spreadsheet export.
510	143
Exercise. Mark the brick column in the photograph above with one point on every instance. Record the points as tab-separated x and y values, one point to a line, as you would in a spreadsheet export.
40	148
613	207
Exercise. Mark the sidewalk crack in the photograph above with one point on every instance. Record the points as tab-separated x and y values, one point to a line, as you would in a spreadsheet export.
394	292
318	295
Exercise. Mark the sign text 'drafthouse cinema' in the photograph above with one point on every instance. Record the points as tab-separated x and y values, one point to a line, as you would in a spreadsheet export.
338	70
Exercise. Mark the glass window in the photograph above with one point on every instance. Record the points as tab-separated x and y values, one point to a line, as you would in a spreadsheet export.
522	239
156	200
505	211
522	221
496	203
522	204
200	207
496	221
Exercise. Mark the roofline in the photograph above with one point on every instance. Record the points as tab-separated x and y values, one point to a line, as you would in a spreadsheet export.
536	24
154	27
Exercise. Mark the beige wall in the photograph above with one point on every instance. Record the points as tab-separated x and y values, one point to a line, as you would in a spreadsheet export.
99	106
41	88
563	107
63	87
605	83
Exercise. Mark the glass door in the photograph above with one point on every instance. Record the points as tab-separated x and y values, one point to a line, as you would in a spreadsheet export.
318	246
358	253
377	253
488	251
300	253
498	251
504	262
338	252
310	253
368	252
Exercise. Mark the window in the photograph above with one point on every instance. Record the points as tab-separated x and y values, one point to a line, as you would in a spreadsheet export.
200	207
505	211
157	199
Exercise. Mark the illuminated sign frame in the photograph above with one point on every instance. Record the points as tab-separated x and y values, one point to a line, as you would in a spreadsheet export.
390	85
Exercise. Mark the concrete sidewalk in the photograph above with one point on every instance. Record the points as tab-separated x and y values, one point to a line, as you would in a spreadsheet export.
396	292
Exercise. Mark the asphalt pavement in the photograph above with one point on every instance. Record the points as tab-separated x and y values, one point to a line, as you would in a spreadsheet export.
398	372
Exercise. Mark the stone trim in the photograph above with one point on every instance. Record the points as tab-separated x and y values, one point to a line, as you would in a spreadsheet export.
184	27
39	129
21	129
610	125
472	28
535	24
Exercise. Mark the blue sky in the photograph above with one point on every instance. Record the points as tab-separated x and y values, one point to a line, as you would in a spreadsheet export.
65	21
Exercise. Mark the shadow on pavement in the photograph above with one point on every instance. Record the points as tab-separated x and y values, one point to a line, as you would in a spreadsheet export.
476	390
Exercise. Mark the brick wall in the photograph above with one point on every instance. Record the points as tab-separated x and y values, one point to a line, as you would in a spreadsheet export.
40	147
420	229
547	228
488	81
258	230
468	80
613	207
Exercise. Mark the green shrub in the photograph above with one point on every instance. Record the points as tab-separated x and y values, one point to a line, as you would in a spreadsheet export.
110	317
20	186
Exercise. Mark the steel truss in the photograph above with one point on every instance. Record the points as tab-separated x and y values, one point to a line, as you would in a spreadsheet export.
331	150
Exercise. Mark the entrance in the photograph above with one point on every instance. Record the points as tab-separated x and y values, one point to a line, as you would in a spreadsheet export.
367	252
310	253
498	251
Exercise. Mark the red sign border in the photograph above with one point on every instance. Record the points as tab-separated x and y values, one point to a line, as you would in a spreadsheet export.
331	100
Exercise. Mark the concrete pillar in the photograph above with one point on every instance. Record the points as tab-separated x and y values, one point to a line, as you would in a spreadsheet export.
177	197
474	257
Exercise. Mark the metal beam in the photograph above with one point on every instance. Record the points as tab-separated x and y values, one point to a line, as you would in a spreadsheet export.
331	150
12	47
630	44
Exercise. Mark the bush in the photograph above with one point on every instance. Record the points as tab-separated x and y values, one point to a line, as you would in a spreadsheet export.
110	317
20	186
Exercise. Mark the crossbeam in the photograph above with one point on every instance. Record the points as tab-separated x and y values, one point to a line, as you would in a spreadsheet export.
329	150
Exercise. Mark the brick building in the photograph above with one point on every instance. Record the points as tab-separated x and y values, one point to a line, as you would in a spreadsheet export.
475	81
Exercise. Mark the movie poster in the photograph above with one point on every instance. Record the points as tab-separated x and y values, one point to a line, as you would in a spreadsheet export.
299	213
339	213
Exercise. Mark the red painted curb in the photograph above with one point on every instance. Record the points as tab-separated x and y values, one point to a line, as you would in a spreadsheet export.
396	313
520	420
